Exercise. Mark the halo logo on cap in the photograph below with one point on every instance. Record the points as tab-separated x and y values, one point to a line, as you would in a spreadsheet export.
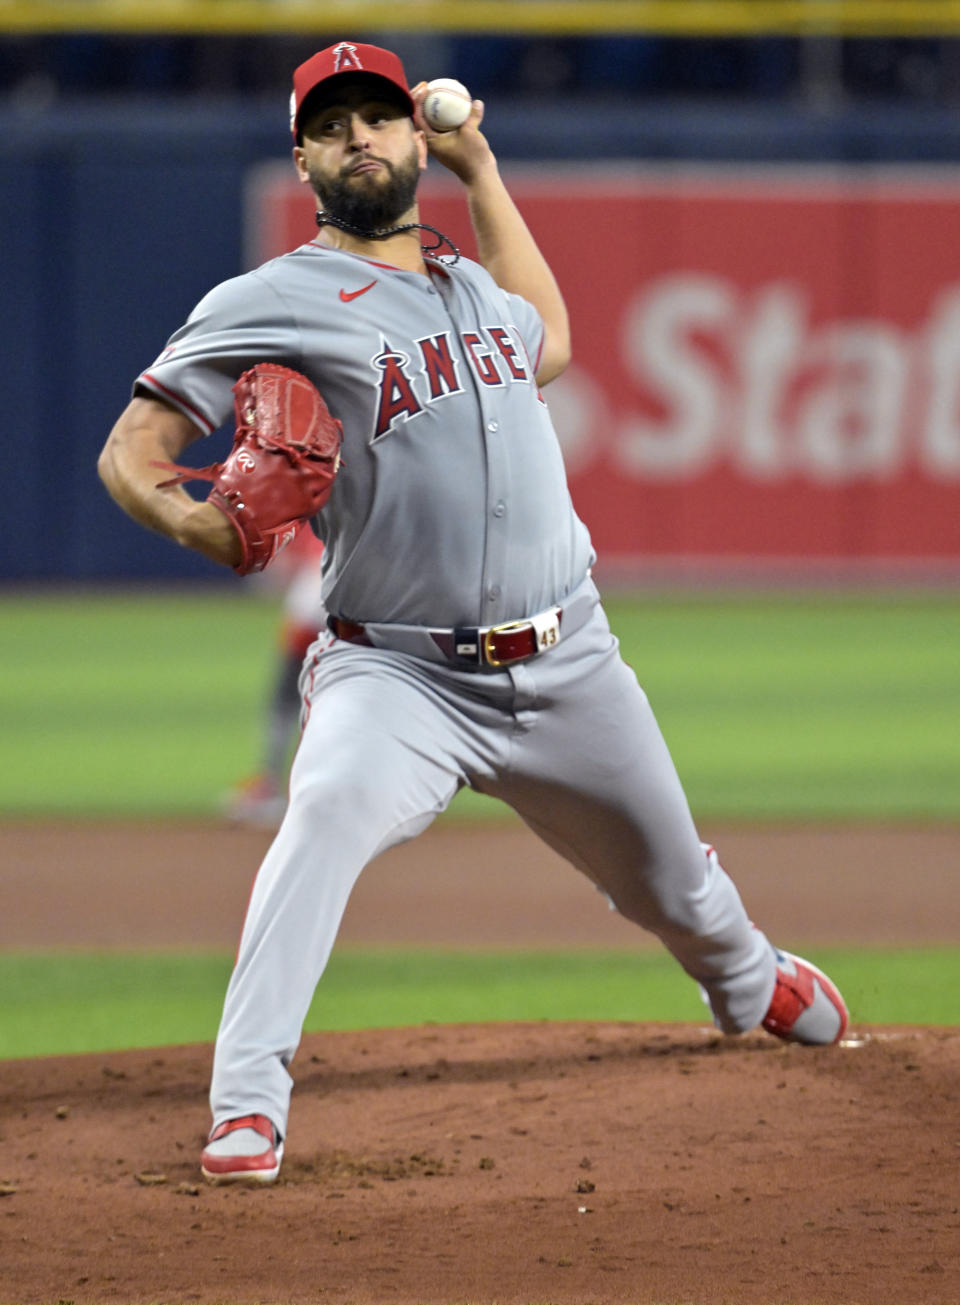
345	58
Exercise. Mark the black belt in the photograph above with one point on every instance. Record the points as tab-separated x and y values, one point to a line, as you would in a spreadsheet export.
491	645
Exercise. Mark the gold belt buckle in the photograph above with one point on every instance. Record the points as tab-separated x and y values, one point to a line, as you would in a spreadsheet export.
545	627
488	655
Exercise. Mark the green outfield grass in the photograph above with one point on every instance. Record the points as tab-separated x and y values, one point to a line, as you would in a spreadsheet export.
59	1003
799	706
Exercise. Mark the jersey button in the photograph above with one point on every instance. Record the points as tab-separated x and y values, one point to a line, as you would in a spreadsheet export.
493	593
500	509
493	426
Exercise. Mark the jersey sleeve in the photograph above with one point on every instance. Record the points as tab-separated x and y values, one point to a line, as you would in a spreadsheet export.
530	325
239	323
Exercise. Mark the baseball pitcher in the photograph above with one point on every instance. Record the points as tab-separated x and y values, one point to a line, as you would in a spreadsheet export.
393	392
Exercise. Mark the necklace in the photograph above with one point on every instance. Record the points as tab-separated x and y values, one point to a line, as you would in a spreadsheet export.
324	219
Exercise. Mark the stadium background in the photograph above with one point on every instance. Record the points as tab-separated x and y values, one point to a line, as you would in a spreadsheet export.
126	167
766	192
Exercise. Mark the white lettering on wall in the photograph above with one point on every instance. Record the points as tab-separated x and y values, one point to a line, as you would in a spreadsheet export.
746	378
848	428
771	337
940	450
661	355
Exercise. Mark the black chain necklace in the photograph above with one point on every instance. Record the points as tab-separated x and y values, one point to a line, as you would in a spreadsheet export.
325	220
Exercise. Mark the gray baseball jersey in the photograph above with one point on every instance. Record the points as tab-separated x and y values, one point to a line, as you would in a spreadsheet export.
452	508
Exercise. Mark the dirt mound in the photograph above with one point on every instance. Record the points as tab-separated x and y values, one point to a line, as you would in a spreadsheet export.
514	1164
509	1163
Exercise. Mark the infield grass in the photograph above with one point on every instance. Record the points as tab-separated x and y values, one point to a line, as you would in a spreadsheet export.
60	1003
775	706
794	706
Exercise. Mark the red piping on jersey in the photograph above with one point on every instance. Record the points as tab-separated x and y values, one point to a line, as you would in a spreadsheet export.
179	401
306	697
534	366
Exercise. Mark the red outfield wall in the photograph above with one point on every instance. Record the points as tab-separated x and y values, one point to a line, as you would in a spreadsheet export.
767	362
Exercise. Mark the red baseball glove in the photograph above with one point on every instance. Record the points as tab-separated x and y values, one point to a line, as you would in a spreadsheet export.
281	469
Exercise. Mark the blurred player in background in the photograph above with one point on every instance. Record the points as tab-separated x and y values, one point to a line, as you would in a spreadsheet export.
261	799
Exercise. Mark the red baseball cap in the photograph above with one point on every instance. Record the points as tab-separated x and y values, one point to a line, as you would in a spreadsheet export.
339	60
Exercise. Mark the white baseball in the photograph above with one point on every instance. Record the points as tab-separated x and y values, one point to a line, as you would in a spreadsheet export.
447	104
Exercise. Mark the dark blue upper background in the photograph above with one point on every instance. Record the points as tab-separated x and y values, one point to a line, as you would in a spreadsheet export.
122	164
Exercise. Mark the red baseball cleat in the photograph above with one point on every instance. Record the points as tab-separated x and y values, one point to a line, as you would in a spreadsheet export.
242	1150
806	1007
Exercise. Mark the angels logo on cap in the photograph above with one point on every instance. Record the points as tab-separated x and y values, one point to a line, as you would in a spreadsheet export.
344	58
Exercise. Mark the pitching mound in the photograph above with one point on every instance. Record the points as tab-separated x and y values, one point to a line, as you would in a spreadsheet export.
512	1164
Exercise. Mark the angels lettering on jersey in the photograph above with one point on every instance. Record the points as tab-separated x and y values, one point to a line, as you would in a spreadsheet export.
408	383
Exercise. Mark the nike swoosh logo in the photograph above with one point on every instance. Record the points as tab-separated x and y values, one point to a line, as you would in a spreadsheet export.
347	295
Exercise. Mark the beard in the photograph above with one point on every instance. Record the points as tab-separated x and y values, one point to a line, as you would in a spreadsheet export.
369	202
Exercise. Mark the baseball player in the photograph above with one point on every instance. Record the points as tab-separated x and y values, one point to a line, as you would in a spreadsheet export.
467	642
